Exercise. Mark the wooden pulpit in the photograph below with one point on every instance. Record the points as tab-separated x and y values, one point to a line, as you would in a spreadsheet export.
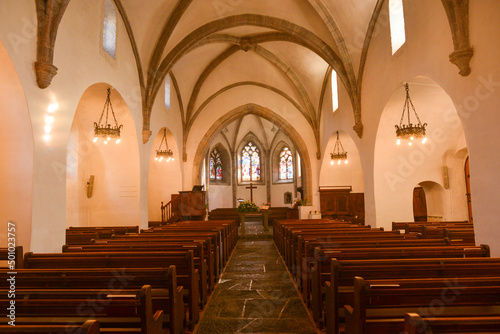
192	205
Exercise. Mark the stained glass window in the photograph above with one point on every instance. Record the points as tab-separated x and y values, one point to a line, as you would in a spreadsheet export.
250	163
286	164
215	166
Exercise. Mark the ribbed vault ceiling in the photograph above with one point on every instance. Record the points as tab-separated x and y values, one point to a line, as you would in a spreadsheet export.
287	47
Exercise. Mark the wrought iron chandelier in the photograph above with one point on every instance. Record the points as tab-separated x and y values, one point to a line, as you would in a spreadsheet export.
165	154
410	131
337	155
106	130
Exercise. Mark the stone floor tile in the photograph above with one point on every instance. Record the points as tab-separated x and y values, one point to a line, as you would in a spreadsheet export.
255	293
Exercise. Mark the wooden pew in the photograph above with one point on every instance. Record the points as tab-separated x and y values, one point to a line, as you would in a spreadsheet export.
211	256
463	236
118	310
211	248
276	213
187	275
331	236
206	269
460	236
305	246
415	324
12	257
166	294
416	227
227	231
375	301
340	287
321	263
83	235
116	229
230	226
88	327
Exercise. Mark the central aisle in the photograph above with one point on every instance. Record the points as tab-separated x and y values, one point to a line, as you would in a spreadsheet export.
255	295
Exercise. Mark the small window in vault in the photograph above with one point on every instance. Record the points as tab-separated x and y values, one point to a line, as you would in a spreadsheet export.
335	92
109	28
397	23
167	91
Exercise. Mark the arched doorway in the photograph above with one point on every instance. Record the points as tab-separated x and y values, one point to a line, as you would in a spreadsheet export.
16	155
102	180
419	204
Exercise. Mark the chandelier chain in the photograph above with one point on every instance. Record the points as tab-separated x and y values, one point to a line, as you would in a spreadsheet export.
406	107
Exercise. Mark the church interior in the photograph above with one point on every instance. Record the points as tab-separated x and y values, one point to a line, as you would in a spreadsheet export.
116	114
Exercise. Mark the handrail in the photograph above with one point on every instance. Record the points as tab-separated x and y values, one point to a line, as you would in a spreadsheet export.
169	212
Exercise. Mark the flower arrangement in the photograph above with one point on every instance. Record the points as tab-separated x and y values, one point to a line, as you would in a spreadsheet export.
299	202
247	206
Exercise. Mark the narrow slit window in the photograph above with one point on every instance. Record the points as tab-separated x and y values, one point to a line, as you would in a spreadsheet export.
397	23
335	92
167	91
109	29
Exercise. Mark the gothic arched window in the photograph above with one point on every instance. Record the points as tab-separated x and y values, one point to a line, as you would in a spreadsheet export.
215	166
286	164
250	163
109	29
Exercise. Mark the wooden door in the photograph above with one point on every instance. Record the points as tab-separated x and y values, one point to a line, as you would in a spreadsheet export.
419	204
467	187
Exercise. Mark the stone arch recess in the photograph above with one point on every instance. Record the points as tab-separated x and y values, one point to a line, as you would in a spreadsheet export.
268	114
16	155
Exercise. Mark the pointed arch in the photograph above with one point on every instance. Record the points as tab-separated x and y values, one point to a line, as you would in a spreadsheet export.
265	113
115	198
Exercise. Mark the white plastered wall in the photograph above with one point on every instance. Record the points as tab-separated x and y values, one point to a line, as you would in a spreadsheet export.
80	64
474	97
16	158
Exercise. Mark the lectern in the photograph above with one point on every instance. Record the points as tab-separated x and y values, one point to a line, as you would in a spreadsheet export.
192	205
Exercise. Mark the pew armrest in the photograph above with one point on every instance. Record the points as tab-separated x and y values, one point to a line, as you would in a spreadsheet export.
350	325
414	324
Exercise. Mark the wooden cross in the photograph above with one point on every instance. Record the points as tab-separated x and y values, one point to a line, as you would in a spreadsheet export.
251	191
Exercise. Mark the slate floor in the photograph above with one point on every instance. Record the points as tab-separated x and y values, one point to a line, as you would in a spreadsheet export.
255	294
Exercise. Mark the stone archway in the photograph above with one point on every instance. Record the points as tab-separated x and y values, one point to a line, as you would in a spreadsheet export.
114	199
16	155
265	113
398	168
